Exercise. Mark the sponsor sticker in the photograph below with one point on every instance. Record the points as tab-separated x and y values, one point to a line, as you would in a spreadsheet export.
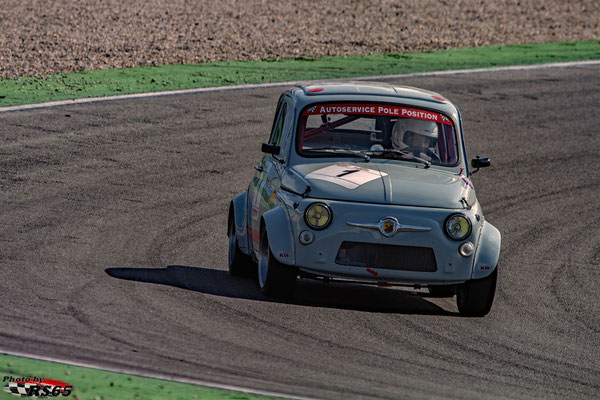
378	109
347	175
36	387
272	198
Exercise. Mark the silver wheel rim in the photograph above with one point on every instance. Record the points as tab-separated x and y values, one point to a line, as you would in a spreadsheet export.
263	261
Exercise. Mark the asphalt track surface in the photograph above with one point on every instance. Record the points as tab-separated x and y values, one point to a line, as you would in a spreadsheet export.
113	250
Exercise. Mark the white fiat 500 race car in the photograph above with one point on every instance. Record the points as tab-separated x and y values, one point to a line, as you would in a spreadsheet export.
369	183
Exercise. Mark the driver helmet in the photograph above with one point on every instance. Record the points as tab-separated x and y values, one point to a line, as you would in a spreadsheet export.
405	128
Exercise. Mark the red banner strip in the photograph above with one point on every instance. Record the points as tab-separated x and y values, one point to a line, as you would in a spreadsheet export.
378	109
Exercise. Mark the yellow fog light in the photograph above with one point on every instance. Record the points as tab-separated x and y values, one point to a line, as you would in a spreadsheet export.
318	216
458	227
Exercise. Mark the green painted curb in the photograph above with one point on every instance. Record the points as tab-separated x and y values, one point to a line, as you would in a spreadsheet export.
99	83
94	384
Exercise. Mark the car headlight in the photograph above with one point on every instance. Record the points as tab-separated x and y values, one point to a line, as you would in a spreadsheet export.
458	227
318	216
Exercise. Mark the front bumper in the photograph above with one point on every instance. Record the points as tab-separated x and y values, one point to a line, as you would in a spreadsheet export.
323	257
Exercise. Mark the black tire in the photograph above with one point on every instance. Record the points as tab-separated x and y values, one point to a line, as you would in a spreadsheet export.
239	263
474	298
274	278
442	290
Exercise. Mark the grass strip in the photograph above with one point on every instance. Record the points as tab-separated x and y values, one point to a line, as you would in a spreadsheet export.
93	384
99	83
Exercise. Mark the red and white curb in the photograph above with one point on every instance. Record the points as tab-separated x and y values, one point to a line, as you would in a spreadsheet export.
290	83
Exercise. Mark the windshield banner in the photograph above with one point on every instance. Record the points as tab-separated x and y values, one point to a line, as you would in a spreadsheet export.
378	109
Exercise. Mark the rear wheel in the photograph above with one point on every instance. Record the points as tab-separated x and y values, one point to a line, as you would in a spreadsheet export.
240	264
474	298
274	278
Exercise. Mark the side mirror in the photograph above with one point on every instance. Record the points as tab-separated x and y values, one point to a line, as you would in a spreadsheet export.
481	162
270	148
478	162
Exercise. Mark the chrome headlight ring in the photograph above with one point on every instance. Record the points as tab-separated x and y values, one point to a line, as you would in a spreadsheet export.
457	226
318	216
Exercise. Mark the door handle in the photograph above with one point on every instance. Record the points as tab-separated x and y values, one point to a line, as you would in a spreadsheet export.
259	168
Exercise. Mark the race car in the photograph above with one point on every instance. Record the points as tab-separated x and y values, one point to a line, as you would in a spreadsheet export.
369	183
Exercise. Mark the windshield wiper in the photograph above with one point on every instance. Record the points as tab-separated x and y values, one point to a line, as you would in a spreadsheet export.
407	154
357	153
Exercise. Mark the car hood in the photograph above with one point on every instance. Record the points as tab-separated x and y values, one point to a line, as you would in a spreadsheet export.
384	183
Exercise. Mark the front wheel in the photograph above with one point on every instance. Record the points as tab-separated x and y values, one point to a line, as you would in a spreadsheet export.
274	278
474	298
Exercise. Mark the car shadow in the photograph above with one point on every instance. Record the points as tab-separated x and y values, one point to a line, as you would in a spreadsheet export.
309	292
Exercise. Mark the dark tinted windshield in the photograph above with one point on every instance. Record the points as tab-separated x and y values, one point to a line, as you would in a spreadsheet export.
379	130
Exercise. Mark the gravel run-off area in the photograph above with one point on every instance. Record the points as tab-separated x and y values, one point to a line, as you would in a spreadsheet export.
54	36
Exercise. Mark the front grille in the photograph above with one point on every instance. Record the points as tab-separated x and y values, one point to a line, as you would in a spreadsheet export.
385	256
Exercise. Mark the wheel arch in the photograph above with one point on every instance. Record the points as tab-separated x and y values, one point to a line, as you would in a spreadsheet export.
488	252
279	233
237	212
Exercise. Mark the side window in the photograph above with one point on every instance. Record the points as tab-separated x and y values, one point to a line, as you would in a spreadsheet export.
278	124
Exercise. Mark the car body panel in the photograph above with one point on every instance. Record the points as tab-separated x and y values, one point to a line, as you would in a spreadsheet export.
488	252
321	254
280	235
397	184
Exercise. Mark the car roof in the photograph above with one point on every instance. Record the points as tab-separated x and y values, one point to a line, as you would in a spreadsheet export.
370	89
363	91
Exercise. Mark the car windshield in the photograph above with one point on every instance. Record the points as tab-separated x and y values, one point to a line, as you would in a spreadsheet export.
377	131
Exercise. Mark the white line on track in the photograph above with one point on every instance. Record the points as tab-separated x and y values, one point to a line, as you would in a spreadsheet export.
290	83
171	378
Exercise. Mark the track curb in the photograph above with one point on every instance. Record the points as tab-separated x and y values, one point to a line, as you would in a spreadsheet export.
145	374
290	83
